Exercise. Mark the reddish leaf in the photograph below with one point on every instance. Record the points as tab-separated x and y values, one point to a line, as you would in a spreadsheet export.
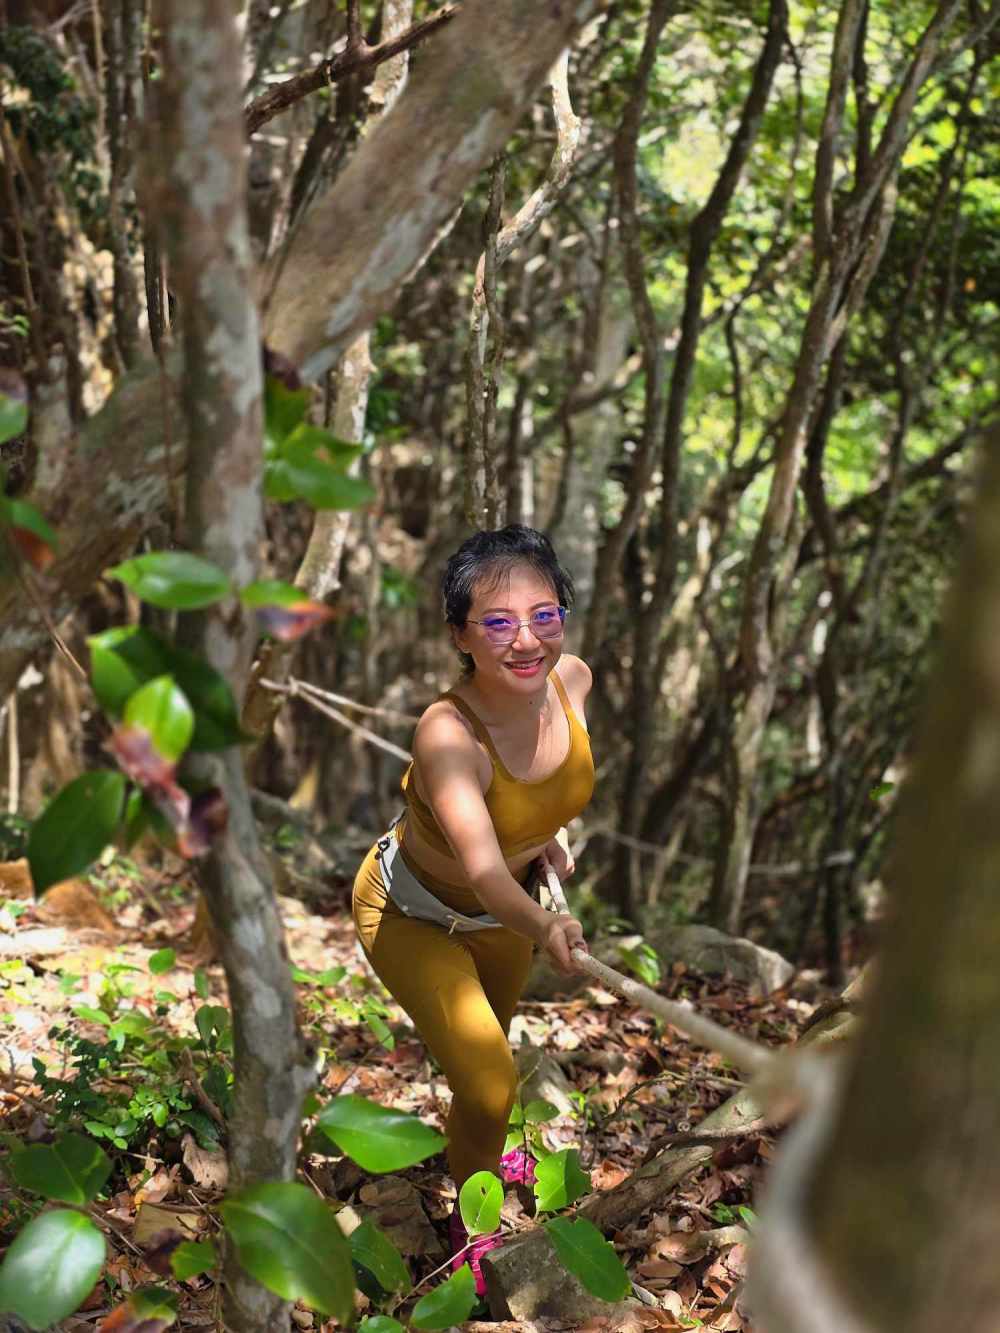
207	820
159	1251
36	551
288	623
139	760
281	368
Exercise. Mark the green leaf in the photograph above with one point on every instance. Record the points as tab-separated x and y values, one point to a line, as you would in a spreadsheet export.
283	410
149	1303
372	1249
201	983
380	1323
26	516
75	827
480	1200
51	1267
211	1020
176	580
539	1112
559	1181
288	1239
13	417
122	660
72	1169
377	1138
161	961
162	709
92	1015
588	1256
272	592
193	1257
450	1303
300	473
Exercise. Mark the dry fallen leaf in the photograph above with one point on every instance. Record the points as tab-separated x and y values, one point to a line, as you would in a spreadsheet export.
208	1168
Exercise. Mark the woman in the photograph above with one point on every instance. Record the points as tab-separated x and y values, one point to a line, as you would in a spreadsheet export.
500	764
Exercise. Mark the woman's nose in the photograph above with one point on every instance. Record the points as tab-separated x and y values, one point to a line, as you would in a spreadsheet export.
525	635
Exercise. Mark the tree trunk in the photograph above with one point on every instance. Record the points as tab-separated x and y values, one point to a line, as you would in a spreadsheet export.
205	213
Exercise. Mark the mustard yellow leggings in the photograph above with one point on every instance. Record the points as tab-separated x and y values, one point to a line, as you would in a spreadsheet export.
460	991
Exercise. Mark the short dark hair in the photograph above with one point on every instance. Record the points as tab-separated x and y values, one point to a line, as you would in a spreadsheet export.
489	556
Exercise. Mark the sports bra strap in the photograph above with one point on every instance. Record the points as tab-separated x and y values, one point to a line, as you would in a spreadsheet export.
474	721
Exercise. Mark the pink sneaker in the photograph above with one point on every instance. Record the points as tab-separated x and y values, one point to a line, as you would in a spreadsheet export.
469	1252
517	1167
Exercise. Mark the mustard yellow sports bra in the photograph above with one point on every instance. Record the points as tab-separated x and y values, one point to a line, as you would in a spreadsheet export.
524	814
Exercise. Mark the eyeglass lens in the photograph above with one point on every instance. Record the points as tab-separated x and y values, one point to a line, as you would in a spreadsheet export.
546	623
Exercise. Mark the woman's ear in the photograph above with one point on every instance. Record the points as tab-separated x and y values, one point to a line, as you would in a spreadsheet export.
458	637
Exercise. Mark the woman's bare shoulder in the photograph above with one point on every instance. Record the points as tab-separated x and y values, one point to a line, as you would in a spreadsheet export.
442	726
575	674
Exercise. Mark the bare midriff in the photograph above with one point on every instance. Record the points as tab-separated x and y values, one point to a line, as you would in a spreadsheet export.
447	868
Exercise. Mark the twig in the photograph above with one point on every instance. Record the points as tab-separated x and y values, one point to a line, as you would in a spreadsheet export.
388	713
293	691
740	1052
194	1083
357	61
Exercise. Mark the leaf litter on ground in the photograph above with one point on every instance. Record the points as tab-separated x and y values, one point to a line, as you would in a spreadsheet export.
633	1081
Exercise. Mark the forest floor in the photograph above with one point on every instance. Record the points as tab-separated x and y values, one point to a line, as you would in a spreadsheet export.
120	1030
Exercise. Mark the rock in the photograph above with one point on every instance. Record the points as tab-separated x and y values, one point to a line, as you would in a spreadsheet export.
542	1078
527	1281
544	983
704	949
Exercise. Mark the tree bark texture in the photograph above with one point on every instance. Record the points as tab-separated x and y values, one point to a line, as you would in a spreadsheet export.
903	1204
204	209
451	120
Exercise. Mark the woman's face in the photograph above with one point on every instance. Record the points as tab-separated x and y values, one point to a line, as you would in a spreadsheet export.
522	666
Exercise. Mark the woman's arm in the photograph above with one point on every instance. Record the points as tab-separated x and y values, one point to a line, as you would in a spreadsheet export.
448	761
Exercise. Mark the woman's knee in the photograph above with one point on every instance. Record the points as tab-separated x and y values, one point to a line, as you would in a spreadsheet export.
487	1090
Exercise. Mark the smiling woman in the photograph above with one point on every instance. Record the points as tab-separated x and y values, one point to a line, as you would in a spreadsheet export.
445	903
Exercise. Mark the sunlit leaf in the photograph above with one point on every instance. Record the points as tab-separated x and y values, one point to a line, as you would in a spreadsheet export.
375	1137
288	1239
13	406
480	1200
161	961
448	1304
588	1256
51	1266
289	623
193	1257
559	1181
161	709
31	534
175	580
147	1310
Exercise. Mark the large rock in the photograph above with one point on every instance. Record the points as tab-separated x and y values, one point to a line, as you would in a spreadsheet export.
704	949
545	983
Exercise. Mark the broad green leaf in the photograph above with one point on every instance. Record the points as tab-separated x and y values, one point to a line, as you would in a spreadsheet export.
91	1014
51	1267
377	1138
175	580
288	1239
193	1257
162	709
318	440
72	1169
380	1323
201	987
372	1249
559	1181
13	417
450	1303
283	410
539	1112
272	592
588	1256
300	473
161	961
75	827
480	1200
124	659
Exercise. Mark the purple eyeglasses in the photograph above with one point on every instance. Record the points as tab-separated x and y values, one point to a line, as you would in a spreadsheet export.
545	623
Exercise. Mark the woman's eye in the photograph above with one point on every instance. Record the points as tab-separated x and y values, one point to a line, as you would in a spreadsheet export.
498	622
546	617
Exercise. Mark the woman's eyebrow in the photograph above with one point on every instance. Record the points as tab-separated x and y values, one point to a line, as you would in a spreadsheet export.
506	610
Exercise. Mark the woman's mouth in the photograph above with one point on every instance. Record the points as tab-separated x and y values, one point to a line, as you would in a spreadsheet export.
529	668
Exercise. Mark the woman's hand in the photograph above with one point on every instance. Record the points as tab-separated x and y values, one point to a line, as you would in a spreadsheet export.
559	858
560	936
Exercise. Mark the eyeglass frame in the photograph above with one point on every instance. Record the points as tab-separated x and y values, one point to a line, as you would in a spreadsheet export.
503	643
